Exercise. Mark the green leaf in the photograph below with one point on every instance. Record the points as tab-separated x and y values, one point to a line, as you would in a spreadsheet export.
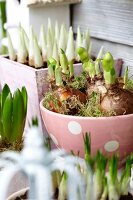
64	62
18	116
7	117
83	54
1	125
5	92
113	167
58	75
25	98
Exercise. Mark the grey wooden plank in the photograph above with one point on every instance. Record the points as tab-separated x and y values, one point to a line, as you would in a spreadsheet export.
107	19
38	3
118	51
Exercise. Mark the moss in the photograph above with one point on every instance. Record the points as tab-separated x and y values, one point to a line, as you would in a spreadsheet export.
72	106
92	108
48	98
80	82
129	84
52	103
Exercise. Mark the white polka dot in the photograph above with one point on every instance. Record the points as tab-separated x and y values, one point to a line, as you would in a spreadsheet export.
111	146
54	139
74	127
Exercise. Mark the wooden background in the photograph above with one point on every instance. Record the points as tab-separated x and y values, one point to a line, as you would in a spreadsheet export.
110	23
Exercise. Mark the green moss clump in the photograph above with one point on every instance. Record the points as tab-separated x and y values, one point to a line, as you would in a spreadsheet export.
72	106
50	97
92	108
52	103
129	84
80	82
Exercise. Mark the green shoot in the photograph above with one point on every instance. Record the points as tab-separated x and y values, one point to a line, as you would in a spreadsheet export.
57	31
62	39
126	77
90	49
31	47
58	75
113	185
78	41
55	52
22	50
109	69
37	54
26	39
50	31
64	62
51	68
70	51
49	44
11	50
87	150
125	178
105	190
83	54
101	162
90	68
63	187
71	69
97	64
43	44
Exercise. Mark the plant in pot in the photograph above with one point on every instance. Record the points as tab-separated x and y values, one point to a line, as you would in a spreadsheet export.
28	66
95	183
13	110
97	102
39	168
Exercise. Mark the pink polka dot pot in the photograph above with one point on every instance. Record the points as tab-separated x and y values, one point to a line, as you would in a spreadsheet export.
109	134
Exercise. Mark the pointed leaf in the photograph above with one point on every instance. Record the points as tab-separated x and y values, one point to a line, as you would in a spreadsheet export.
7	117
18	116
11	50
25	98
5	92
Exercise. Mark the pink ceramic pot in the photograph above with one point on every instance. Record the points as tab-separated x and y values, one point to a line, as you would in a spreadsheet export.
109	134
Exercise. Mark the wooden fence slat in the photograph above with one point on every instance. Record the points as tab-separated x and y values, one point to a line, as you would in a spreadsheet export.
107	19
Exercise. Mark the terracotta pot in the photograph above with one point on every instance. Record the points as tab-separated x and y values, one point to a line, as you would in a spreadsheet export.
109	134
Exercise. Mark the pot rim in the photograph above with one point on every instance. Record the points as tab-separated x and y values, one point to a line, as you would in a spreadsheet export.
18	193
83	118
27	66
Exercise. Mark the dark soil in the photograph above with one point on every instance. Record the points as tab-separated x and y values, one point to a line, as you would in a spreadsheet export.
5	145
127	197
45	64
